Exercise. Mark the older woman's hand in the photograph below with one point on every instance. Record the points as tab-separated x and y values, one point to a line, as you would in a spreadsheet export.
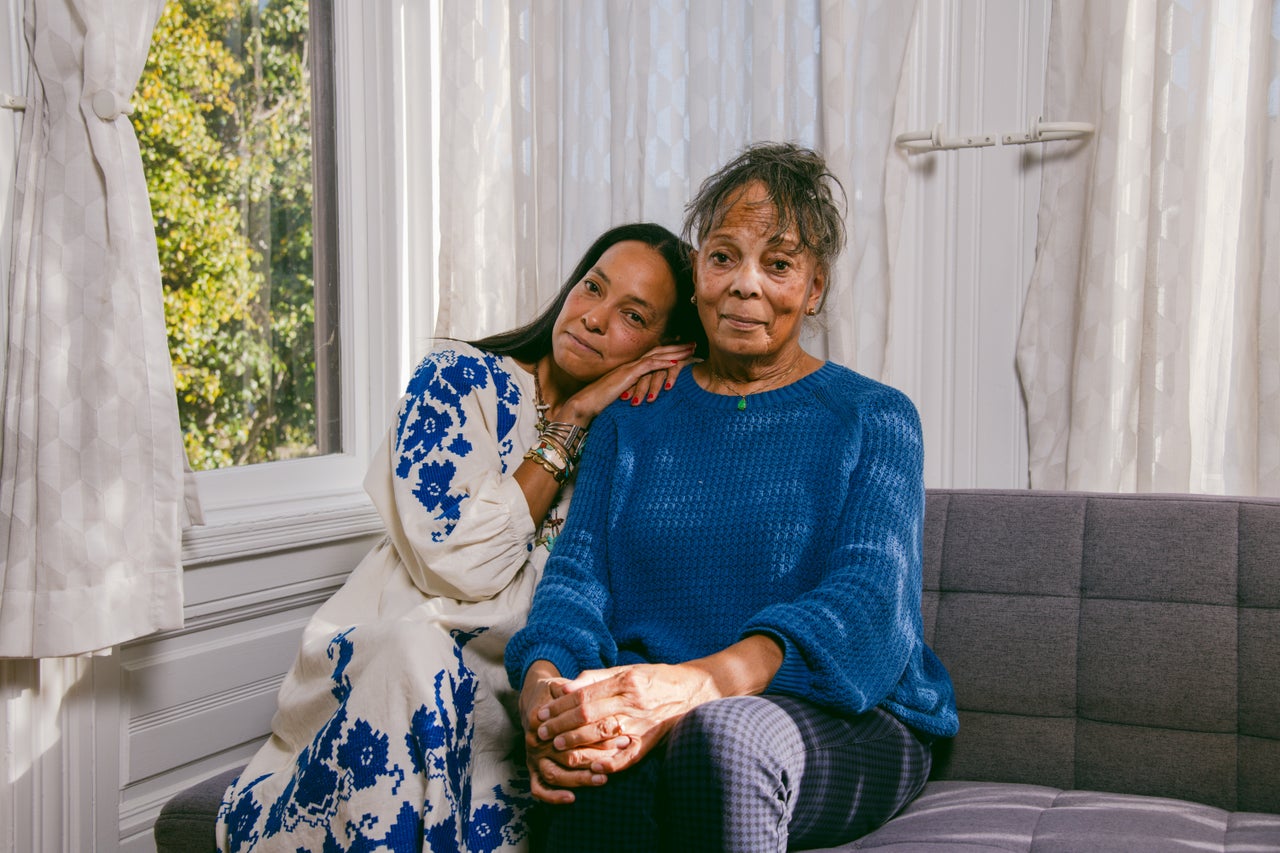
608	719
605	720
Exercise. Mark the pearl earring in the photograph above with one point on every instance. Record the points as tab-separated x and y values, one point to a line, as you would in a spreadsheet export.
693	300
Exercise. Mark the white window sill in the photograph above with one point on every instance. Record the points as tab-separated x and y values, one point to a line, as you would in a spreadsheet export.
274	507
294	525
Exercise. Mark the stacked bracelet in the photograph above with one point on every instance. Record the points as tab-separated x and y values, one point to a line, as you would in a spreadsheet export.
551	458
558	449
568	436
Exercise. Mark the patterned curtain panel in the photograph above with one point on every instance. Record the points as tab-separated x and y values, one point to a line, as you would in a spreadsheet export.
1150	344
91	481
560	119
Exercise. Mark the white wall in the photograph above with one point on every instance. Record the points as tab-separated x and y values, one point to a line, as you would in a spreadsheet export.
968	241
93	747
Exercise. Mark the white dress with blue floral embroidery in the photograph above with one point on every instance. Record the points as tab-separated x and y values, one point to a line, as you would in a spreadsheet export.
396	727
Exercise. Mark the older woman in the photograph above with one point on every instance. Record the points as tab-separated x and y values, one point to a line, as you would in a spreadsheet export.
725	652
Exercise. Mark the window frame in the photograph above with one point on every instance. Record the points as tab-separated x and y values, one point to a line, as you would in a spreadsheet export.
271	506
13	85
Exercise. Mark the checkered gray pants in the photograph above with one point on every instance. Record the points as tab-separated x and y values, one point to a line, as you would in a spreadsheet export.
751	774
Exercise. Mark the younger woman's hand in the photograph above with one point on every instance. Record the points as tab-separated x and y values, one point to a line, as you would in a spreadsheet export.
649	386
637	380
552	771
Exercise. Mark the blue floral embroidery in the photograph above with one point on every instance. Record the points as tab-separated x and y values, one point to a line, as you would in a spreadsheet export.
460	445
241	818
340	760
508	402
440	746
364	754
346	758
431	428
423	427
465	373
341	649
434	479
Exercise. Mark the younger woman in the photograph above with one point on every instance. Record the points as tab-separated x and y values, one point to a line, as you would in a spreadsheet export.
396	727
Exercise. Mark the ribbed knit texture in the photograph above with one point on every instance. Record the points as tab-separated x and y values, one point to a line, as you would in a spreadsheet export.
695	524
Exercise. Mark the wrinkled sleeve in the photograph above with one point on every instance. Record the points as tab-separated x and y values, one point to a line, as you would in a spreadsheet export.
443	479
847	642
569	622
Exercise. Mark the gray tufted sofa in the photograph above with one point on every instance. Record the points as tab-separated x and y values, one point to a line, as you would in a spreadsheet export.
1116	660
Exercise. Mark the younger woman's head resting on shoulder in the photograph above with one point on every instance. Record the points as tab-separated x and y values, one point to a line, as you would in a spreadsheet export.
629	293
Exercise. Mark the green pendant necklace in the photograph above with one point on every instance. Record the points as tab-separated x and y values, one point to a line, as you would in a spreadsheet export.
742	397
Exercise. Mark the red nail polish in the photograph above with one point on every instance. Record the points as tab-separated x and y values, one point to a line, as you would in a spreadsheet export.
653	397
626	395
669	386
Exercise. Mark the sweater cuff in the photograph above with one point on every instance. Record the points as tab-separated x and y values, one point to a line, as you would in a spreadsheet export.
793	678
557	656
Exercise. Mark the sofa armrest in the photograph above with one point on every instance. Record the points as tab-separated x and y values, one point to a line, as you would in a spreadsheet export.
186	822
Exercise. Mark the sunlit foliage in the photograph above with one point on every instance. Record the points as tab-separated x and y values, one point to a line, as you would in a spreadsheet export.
223	117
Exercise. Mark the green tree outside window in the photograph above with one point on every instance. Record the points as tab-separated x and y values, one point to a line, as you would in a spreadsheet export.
223	118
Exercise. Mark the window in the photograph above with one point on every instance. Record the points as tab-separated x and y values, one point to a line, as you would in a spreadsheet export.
234	119
299	491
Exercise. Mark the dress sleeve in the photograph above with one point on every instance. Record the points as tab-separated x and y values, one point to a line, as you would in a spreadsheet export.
848	641
459	519
569	622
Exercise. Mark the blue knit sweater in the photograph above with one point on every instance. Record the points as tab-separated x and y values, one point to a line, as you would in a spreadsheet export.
695	524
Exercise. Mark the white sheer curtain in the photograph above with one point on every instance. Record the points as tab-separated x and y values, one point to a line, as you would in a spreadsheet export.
91	481
1150	346
559	120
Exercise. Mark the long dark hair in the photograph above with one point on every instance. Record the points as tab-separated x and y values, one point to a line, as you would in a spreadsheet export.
532	341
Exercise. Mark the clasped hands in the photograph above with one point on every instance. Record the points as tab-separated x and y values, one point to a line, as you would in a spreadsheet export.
579	731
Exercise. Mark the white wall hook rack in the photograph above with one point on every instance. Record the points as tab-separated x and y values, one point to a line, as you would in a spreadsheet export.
12	102
1049	131
922	141
919	141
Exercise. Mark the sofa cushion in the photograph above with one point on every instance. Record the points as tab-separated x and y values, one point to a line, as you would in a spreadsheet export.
976	817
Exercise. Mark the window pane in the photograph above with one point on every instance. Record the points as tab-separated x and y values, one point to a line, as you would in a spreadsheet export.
224	120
